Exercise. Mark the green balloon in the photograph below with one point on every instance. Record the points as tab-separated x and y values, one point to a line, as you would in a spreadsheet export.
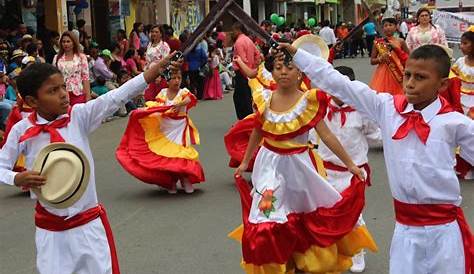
281	21
311	22
274	18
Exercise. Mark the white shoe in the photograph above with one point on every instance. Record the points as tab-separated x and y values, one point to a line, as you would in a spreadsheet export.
187	186
172	190
358	263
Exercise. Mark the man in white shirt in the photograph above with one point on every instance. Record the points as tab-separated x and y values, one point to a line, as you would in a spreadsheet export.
327	34
403	29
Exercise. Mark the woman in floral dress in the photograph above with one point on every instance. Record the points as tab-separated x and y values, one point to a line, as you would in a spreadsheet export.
74	67
157	48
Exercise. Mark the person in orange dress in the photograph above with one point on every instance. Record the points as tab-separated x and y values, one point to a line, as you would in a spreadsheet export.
389	54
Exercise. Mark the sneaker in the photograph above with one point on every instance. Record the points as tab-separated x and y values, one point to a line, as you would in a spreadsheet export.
358	263
187	186
172	190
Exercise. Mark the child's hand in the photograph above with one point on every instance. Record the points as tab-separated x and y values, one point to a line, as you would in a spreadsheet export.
175	108
291	50
237	59
241	169
29	179
357	171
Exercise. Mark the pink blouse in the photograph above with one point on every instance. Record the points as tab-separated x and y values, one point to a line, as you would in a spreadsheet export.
74	72
418	37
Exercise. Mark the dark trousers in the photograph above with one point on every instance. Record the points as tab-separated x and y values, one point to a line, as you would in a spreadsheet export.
357	44
370	43
197	83
242	96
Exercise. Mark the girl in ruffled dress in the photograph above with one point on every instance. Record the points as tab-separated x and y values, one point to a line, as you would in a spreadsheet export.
293	218
157	145
462	82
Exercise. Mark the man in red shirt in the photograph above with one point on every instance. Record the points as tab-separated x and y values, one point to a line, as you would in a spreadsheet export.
250	55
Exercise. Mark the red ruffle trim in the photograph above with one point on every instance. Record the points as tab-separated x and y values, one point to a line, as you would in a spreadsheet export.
236	141
137	159
272	242
321	113
13	118
452	94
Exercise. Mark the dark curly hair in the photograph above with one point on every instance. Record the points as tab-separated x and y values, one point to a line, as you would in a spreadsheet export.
32	78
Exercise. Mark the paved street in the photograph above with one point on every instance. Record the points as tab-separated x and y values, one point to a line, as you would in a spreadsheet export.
159	233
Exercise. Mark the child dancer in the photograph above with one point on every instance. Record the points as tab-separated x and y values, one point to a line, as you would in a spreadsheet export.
294	219
213	84
157	145
70	240
420	133
353	131
389	54
463	81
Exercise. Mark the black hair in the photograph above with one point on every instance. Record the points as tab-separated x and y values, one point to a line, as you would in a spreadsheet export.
266	23
435	53
347	71
141	52
80	23
326	23
270	59
390	20
129	54
121	74
115	67
53	34
100	81
469	35
32	78
114	46
136	25
31	48
122	33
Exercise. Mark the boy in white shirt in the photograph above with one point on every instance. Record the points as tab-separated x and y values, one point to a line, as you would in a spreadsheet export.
420	132
89	247
354	132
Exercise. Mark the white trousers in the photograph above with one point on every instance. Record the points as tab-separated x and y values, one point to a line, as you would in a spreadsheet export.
81	250
427	250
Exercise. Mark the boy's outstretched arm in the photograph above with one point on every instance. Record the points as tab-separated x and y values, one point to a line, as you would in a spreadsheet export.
324	76
93	112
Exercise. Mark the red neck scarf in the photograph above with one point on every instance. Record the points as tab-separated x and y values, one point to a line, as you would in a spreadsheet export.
414	120
343	110
52	128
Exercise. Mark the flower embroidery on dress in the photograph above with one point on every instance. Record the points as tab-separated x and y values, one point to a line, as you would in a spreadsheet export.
266	204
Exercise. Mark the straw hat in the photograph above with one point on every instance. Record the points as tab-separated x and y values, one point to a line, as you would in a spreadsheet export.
18	53
67	172
312	44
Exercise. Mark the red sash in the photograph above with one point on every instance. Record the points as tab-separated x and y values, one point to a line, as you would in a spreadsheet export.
333	166
437	214
51	222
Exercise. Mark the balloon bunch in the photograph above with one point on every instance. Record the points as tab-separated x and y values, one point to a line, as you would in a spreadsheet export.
277	20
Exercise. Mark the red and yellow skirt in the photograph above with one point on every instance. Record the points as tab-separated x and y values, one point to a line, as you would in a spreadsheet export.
157	147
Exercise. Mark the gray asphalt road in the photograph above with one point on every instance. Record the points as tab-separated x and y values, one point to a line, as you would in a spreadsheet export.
159	233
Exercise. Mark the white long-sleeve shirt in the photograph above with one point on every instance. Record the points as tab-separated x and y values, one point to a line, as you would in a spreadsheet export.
328	35
85	118
417	173
353	136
